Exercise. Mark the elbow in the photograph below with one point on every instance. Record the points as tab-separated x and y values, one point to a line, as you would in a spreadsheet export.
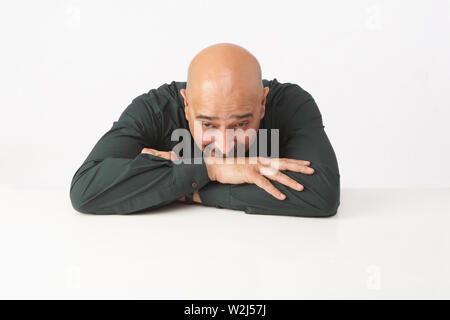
329	204
321	196
78	199
78	203
83	187
82	205
313	204
328	198
326	191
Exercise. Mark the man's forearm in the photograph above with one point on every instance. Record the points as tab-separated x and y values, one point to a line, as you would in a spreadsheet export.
120	185
319	198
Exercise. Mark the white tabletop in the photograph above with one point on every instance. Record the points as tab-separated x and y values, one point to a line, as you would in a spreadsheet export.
383	243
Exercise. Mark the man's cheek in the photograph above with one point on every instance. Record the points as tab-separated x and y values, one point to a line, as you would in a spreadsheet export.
208	137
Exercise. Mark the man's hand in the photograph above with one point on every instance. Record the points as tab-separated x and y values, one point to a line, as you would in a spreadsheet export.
255	170
195	198
248	170
169	155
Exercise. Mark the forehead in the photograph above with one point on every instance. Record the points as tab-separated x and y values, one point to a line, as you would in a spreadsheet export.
223	96
223	112
224	107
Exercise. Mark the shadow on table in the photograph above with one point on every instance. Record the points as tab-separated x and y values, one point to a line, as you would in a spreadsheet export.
175	207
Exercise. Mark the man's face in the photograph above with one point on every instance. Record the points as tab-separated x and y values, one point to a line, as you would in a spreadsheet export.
224	122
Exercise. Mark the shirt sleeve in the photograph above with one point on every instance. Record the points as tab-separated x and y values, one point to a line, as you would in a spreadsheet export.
117	179
303	138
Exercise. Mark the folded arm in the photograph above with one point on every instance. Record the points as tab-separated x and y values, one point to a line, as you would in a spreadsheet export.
116	178
303	138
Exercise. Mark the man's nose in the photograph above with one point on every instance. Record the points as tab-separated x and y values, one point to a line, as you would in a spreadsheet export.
225	144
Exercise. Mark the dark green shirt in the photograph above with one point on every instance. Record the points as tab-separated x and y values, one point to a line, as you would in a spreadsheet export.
116	178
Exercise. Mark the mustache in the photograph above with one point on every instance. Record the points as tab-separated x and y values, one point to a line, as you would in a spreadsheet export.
233	152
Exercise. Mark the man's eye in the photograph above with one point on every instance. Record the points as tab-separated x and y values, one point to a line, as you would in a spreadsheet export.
207	125
242	124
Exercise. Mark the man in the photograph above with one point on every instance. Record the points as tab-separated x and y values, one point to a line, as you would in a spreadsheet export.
134	168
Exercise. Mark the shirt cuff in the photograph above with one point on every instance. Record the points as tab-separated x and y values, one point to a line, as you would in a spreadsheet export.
216	194
189	177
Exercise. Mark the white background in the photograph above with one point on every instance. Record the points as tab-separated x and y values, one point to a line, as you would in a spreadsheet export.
379	71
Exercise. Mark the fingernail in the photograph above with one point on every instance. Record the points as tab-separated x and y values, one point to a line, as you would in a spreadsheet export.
281	196
299	187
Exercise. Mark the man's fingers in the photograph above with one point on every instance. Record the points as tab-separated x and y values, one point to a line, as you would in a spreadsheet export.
265	184
273	165
287	181
267	160
286	164
151	151
173	156
169	155
164	154
147	150
293	165
300	162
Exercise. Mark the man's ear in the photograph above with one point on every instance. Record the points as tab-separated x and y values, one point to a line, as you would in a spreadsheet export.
183	93
263	102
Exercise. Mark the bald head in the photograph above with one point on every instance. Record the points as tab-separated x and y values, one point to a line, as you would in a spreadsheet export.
224	70
224	90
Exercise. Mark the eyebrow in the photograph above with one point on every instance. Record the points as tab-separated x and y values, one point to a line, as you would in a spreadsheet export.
236	116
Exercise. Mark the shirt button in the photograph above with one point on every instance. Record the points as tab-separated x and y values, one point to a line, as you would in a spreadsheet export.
194	185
